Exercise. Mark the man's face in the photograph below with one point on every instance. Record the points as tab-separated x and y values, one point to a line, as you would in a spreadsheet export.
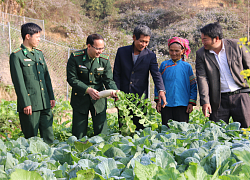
141	43
96	49
33	40
208	42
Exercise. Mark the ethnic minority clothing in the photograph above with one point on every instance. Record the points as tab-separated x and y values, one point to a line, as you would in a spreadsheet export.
179	82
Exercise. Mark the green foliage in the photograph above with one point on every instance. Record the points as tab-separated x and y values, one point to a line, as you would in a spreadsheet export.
198	150
21	2
62	120
21	174
62	110
144	172
10	124
148	154
141	107
9	120
99	9
197	117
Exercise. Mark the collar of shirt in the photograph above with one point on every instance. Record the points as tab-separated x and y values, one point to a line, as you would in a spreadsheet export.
226	79
176	61
30	50
133	49
92	59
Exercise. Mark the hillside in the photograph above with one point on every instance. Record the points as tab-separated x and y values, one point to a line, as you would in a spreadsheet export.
70	21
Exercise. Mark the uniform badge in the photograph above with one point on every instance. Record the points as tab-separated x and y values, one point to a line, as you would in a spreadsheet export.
25	52
27	60
100	69
84	67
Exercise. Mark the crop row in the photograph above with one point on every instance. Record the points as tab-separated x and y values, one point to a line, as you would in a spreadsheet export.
180	151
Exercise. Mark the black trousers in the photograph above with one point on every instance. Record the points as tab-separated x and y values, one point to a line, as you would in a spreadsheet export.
235	105
175	113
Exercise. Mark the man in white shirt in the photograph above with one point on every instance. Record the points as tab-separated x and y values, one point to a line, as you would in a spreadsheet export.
223	91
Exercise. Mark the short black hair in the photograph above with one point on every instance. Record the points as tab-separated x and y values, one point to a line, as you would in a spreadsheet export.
212	30
30	28
92	37
141	29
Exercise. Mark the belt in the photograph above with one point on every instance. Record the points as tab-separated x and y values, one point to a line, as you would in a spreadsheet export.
237	92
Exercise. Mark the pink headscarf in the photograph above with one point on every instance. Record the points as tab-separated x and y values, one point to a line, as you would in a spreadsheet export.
183	42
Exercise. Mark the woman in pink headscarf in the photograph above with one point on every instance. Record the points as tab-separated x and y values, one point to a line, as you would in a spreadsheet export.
179	81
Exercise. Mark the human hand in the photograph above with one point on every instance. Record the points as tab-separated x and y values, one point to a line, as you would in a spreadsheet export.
52	103
158	107
162	97
207	110
189	108
27	110
114	94
93	93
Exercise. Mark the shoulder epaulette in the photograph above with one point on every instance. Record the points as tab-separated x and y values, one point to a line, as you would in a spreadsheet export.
18	49
104	56
79	53
38	49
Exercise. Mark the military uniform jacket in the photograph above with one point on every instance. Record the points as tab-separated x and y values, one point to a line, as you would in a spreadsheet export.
31	79
82	73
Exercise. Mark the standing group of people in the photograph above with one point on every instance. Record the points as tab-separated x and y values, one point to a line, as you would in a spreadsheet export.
223	91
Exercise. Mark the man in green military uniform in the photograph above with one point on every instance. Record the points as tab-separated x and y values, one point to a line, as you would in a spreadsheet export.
88	71
32	84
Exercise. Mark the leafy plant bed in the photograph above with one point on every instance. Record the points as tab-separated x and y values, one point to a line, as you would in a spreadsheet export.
182	151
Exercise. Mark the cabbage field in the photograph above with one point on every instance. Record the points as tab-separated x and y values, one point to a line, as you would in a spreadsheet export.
197	150
182	151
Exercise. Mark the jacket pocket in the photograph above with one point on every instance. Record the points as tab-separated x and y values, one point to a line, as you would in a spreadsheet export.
99	72
29	67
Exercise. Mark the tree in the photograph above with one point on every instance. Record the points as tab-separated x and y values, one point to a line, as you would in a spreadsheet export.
100	8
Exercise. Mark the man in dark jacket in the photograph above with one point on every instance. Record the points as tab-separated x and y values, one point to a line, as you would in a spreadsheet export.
133	64
223	91
32	84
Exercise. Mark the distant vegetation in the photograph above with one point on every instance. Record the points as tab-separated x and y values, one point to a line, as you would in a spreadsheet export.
69	22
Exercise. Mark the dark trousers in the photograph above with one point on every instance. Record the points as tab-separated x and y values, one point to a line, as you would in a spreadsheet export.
135	120
175	113
42	120
237	106
80	123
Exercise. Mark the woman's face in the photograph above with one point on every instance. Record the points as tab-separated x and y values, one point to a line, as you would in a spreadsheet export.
176	51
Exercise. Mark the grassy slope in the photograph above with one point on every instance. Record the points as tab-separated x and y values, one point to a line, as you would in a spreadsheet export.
67	23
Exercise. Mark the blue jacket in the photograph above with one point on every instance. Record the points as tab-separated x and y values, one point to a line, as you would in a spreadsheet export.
133	78
180	83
